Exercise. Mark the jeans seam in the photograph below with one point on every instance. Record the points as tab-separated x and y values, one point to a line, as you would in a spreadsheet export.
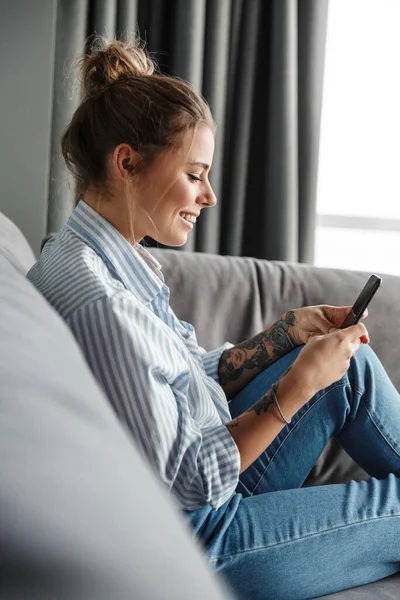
389	443
290	429
302	538
357	391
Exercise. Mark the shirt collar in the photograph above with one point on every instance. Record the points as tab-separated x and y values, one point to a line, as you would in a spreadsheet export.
138	270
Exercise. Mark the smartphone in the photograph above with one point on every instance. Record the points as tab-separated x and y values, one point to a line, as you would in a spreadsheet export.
365	297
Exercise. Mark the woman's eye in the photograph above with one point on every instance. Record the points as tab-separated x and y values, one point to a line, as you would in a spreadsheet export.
194	177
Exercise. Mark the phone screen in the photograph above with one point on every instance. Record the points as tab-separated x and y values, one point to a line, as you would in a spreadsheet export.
365	297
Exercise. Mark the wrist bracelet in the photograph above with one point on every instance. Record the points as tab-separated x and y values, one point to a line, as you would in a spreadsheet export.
273	390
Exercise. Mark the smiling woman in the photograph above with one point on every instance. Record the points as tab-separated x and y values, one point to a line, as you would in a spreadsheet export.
140	145
167	195
232	433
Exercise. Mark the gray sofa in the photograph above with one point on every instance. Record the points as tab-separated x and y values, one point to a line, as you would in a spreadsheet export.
80	515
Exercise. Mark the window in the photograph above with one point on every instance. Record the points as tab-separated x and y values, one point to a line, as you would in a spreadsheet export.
358	193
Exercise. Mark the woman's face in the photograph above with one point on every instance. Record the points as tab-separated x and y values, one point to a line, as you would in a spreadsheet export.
175	189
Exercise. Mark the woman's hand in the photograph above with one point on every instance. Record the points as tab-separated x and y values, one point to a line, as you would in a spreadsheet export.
325	358
312	321
321	362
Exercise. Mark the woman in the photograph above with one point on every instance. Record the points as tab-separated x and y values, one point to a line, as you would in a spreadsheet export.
232	433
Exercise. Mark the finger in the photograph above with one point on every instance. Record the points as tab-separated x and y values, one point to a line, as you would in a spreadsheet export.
365	313
336	314
355	345
319	320
324	325
356	331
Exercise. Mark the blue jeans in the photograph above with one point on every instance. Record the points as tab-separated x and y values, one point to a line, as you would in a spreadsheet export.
273	539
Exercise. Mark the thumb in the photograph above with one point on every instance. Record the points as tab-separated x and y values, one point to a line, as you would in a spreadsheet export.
333	329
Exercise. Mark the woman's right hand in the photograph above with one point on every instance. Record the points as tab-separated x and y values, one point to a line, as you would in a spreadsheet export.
322	361
326	358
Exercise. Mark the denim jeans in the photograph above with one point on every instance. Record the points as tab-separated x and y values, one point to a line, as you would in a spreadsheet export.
273	539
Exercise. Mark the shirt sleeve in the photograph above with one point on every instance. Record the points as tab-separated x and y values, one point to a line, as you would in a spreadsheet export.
211	359
146	380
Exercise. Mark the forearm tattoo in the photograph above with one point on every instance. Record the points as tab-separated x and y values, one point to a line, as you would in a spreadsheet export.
258	352
263	404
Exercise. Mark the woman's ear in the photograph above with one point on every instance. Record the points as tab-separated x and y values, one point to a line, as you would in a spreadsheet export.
127	165
125	161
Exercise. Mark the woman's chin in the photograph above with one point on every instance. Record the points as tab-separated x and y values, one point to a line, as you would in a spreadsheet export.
174	241
177	244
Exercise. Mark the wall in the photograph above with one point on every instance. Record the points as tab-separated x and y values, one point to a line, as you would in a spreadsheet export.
27	34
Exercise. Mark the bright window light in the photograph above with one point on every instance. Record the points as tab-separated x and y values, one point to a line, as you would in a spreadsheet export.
359	166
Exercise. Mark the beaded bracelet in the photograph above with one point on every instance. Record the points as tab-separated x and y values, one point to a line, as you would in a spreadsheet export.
273	389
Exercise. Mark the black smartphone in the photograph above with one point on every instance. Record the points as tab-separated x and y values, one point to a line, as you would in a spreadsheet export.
367	293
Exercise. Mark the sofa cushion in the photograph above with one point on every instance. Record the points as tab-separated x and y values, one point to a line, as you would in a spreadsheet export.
80	514
14	246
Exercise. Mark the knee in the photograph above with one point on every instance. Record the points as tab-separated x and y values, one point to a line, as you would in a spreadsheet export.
364	365
365	355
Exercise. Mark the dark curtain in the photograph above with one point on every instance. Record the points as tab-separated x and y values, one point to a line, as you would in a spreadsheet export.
259	63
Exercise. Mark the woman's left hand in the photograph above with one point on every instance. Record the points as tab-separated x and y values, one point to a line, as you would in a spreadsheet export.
317	320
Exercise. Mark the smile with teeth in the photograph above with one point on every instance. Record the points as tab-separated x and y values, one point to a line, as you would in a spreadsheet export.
188	217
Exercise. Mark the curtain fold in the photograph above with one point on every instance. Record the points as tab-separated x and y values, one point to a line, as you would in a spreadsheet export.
260	64
282	171
215	83
238	146
103	17
71	31
188	52
312	26
127	16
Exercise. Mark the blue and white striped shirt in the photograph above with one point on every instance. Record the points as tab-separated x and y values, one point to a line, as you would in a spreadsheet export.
159	381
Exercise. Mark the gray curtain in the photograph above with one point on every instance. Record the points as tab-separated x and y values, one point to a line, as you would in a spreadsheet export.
259	63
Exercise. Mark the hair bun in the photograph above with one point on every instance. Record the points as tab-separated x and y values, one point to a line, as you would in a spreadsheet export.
110	61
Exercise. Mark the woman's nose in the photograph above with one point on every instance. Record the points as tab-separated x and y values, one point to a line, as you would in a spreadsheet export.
208	198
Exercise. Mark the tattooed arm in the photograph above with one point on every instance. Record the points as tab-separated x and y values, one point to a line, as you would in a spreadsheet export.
323	360
255	429
239	365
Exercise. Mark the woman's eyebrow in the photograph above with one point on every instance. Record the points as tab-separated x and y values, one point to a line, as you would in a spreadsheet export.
198	164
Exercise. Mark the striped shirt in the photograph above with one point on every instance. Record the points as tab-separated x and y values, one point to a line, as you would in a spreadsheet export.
159	381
